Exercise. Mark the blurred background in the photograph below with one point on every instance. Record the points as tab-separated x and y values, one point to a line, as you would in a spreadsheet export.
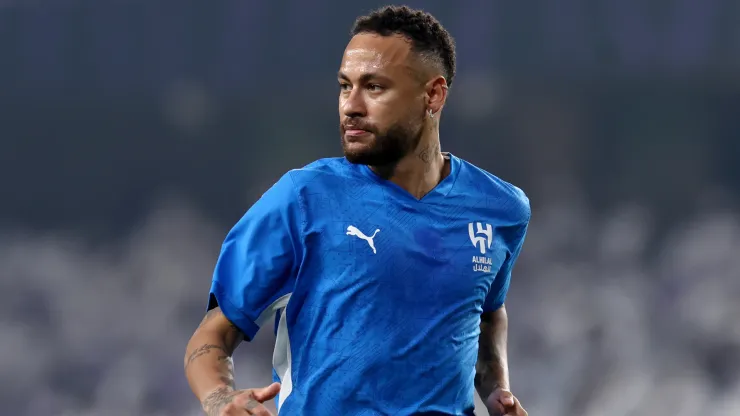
134	134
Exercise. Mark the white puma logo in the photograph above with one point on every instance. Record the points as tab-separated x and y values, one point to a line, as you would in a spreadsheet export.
352	230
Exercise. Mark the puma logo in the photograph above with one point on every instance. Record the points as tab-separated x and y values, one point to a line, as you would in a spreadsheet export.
352	230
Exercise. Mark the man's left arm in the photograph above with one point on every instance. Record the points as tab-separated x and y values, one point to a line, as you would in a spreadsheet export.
492	368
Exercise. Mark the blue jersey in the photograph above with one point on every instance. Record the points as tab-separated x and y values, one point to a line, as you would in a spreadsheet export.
376	295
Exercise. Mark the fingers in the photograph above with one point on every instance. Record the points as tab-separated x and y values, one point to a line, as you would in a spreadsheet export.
256	408
495	408
494	405
250	402
504	403
245	404
516	409
519	409
267	393
506	398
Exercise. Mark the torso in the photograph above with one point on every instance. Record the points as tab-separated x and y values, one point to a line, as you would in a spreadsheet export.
388	298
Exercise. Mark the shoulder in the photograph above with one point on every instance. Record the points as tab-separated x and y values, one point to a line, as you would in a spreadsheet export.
497	191
322	173
286	197
320	177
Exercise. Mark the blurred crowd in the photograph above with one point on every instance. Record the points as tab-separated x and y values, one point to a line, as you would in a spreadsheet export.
606	319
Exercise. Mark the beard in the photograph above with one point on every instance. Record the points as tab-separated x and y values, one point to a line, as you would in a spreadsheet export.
382	149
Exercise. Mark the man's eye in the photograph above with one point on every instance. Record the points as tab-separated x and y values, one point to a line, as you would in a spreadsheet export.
344	87
374	87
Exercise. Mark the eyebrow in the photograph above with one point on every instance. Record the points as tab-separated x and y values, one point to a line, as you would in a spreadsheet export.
366	77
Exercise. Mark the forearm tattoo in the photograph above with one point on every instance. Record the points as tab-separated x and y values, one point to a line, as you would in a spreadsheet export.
489	367
217	400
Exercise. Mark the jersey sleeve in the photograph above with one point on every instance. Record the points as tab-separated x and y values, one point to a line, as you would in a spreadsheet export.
259	260
500	287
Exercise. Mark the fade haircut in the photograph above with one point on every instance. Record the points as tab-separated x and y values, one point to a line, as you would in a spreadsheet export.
429	40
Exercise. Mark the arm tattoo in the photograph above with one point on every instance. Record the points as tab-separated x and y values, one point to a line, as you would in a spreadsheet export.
216	401
482	380
203	350
490	368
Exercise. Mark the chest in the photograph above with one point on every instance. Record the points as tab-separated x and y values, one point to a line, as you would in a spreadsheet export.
405	251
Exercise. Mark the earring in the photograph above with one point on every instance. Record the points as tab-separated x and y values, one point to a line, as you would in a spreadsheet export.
431	114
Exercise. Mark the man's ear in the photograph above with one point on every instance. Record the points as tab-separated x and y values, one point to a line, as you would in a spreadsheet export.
436	90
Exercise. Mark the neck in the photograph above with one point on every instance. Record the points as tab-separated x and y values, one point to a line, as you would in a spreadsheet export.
419	171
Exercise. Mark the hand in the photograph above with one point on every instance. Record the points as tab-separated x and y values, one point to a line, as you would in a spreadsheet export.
502	403
226	402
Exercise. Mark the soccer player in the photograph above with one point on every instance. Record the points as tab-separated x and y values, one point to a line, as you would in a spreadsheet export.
385	271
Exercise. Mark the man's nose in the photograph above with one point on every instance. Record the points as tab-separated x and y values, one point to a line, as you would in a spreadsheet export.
354	104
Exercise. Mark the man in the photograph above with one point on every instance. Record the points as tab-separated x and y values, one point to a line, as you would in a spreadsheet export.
386	269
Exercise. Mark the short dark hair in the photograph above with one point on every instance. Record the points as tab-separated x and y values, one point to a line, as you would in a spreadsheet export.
428	38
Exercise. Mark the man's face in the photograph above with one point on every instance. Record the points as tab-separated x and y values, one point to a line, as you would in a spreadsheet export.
381	102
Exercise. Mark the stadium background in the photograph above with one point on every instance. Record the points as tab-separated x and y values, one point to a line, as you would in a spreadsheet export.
135	133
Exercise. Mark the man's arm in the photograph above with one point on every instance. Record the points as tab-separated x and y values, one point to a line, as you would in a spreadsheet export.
492	368
257	265
208	361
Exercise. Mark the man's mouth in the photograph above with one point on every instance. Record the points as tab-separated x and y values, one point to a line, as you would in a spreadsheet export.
355	132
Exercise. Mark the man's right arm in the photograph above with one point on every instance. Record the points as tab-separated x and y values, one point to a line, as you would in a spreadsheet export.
256	267
208	361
